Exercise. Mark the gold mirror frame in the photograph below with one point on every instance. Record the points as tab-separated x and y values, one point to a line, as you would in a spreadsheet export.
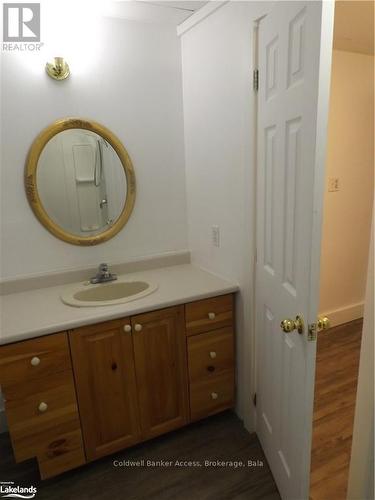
32	190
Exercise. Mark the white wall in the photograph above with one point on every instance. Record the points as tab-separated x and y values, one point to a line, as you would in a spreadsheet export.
347	212
133	87
220	172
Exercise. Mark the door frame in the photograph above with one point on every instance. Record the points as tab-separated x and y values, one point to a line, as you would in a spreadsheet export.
361	471
325	63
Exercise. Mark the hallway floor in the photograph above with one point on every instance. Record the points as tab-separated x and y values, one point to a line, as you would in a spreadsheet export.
221	437
337	366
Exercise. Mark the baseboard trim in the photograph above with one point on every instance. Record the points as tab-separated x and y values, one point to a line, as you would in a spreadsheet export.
344	314
3	422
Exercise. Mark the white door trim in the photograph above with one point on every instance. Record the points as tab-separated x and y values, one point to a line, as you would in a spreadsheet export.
326	48
361	472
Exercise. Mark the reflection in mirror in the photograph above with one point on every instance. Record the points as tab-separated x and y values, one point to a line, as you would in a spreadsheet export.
81	182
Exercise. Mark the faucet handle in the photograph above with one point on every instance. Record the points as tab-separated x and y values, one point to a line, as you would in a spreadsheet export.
103	275
103	267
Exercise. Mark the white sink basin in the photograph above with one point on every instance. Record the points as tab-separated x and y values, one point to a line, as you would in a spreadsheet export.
107	294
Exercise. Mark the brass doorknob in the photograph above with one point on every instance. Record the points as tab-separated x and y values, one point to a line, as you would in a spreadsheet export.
289	325
323	323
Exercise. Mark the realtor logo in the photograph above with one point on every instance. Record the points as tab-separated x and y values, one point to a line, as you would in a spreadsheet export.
8	490
21	22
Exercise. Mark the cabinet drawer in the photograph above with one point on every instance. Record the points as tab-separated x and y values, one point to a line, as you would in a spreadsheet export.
40	412
61	453
211	396
210	354
35	358
209	314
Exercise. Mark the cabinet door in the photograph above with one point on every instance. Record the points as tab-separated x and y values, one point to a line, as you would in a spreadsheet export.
161	368
103	367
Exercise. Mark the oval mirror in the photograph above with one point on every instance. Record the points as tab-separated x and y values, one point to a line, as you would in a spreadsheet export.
80	181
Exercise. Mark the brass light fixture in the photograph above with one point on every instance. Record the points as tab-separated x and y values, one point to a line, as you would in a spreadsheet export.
58	69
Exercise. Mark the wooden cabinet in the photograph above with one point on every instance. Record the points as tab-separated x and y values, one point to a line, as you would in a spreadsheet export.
209	314
131	379
160	363
106	386
118	382
210	355
209	396
40	402
34	359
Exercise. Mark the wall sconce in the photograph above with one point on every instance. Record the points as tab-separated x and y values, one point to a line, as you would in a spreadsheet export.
58	69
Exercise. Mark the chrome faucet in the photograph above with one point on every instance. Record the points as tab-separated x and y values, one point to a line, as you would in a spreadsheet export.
103	275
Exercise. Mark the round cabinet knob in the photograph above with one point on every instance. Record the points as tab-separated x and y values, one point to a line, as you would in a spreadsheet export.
214	395
137	327
212	354
127	328
211	315
42	407
35	361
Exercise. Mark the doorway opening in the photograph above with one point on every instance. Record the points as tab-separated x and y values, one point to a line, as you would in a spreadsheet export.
348	204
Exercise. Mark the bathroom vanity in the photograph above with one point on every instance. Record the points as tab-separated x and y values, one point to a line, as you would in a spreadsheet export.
84	392
83	373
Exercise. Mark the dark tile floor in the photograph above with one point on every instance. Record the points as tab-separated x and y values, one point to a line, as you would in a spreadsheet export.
222	437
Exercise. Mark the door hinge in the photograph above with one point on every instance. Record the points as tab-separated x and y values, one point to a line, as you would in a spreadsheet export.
255	399
256	80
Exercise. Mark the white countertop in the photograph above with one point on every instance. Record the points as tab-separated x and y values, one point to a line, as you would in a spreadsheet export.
39	312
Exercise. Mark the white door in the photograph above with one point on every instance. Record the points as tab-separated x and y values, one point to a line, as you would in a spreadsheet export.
292	118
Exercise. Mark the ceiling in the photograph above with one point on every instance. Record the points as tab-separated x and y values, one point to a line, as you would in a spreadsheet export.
353	30
191	6
354	26
165	12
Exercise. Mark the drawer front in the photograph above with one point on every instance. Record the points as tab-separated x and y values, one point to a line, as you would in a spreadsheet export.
210	354
33	359
211	396
24	402
61	453
39	412
209	314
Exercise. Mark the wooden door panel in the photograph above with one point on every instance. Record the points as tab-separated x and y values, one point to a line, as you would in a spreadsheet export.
161	368
106	387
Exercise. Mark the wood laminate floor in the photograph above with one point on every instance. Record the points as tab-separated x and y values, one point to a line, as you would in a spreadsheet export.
222	437
337	366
